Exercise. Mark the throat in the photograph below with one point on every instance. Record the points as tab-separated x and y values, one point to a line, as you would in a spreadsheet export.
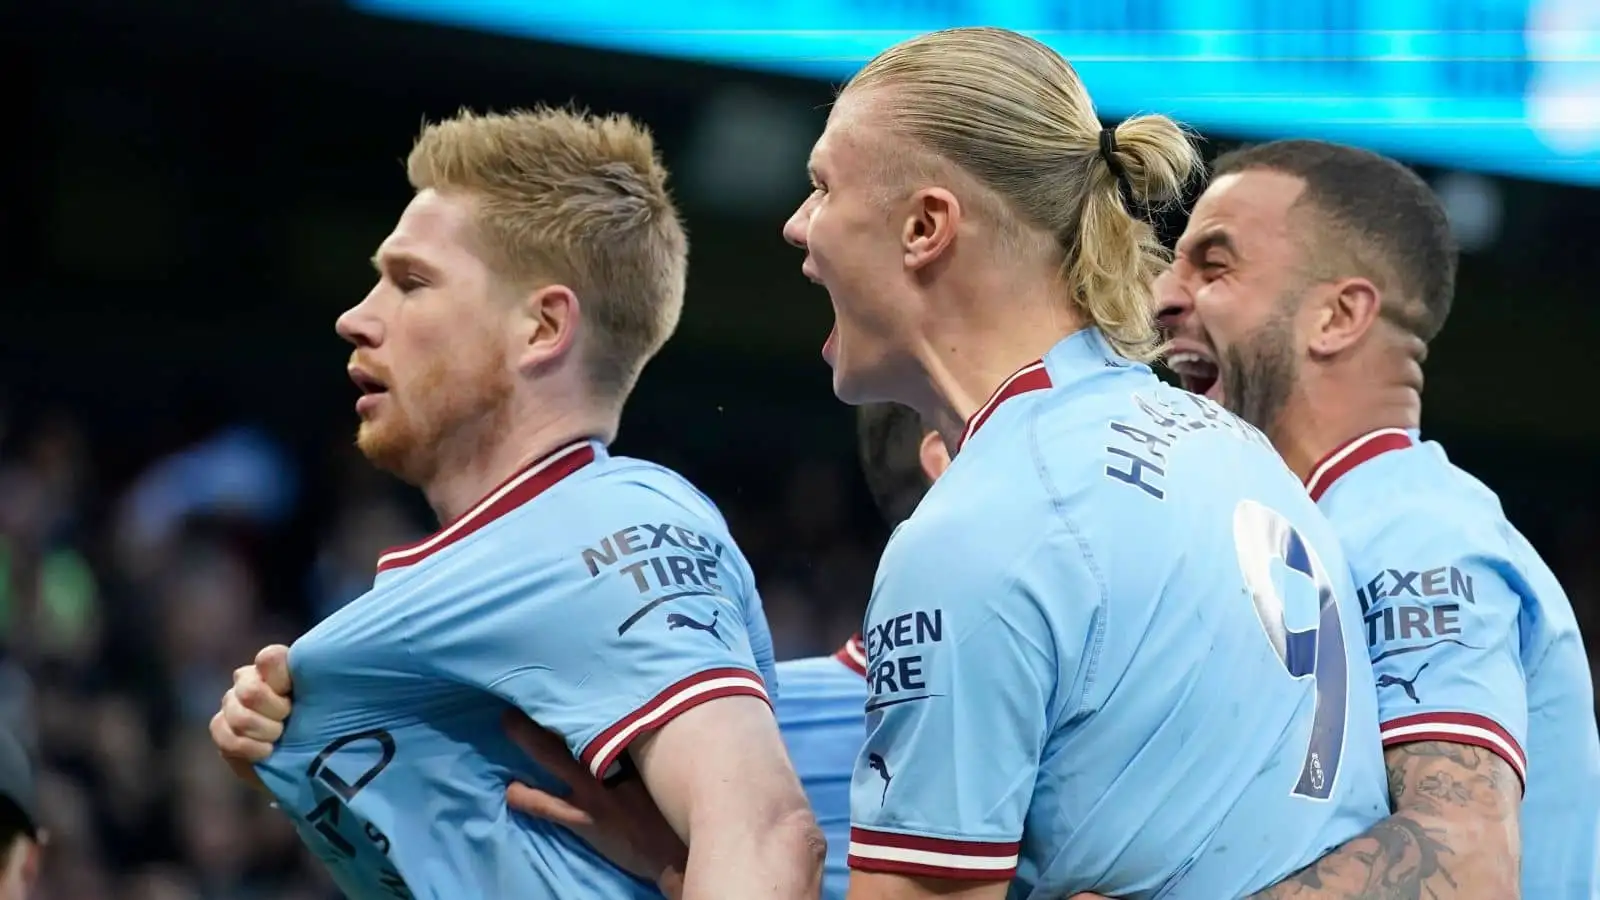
1308	433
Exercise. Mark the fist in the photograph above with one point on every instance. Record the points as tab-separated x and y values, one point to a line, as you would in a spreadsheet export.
254	709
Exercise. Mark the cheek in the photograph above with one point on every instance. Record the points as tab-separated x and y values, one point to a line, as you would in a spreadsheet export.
1220	314
817	229
842	233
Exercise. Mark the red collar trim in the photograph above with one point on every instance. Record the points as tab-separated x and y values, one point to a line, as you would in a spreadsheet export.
538	477
1353	453
854	655
1031	377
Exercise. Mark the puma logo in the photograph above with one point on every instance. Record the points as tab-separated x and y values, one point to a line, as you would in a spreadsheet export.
876	763
1409	685
679	620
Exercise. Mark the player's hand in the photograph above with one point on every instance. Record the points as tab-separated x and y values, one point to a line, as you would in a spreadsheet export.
253	711
620	822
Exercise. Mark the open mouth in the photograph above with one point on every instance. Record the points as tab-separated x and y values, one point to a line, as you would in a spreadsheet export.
367	383
1196	370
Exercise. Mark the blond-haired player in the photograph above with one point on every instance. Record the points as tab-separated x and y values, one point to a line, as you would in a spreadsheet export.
539	266
1116	646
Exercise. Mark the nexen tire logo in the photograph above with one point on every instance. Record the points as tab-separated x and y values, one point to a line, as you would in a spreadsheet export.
902	678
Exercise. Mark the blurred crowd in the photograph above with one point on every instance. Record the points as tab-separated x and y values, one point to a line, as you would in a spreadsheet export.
126	602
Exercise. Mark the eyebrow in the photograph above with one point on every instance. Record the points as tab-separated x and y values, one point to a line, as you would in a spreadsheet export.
397	259
1214	239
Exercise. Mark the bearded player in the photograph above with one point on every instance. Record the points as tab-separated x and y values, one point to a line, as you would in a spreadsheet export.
1307	288
540	264
819	712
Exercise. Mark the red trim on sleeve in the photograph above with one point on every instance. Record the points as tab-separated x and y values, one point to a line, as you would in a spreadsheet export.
1458	728
925	857
854	655
676	700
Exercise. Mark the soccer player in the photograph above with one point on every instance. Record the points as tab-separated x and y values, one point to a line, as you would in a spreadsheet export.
1116	646
538	267
821	709
1307	287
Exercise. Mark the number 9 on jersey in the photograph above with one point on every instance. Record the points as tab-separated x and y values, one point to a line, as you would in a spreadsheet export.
1261	537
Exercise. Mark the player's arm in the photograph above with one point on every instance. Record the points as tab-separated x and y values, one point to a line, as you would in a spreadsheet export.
711	784
1453	709
901	887
721	777
1454	833
962	677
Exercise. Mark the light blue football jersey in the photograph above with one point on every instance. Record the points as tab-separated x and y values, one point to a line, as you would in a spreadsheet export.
1116	649
823	718
1472	640
600	595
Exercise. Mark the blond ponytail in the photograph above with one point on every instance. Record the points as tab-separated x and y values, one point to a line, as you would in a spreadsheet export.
1114	254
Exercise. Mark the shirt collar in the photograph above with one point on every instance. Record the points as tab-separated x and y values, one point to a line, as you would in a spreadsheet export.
1074	357
529	482
1353	453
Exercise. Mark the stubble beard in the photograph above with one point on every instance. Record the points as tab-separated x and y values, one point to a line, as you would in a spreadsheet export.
449	422
1260	374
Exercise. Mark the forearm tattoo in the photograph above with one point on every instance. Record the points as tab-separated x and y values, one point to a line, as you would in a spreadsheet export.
1453	836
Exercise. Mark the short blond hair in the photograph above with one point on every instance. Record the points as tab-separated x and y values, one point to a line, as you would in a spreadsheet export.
1011	113
564	197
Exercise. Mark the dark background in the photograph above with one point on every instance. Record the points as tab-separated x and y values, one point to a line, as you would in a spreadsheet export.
190	195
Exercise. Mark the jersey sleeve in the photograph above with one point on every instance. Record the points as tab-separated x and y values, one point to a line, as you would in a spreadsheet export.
607	643
965	649
1442	604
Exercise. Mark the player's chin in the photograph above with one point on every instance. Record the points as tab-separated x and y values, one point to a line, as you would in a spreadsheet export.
846	389
384	445
858	385
848	383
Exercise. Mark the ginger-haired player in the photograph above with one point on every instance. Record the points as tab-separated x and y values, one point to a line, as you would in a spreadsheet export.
538	267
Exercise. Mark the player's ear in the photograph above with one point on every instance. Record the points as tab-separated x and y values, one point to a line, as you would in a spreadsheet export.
934	456
930	226
547	325
1342	314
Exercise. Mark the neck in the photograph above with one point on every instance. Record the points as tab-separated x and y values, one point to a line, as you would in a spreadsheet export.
966	356
1342	403
459	486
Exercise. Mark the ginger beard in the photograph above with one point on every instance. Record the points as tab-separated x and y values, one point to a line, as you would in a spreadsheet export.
446	415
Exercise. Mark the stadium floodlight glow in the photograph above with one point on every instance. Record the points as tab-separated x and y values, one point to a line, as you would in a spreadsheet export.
1508	88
